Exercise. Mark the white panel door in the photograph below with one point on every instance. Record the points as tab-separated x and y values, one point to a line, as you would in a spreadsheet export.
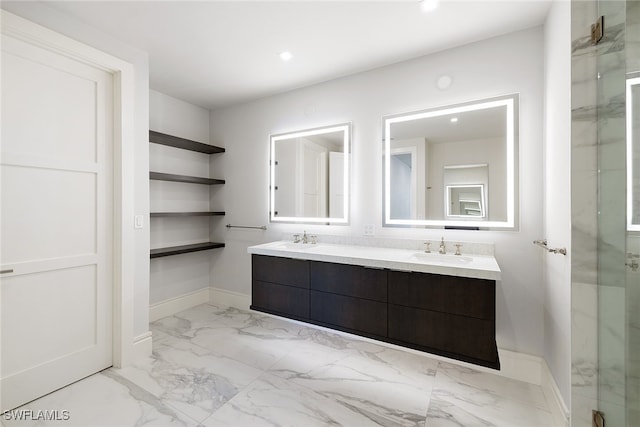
56	221
313	179
336	185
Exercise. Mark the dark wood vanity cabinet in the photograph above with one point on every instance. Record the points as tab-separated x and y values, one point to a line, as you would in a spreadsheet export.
446	315
280	286
349	297
449	315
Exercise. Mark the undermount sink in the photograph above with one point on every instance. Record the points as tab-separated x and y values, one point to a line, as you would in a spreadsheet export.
431	258
293	246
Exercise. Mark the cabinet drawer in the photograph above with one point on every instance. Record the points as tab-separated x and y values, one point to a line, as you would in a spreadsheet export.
279	299
447	294
349	313
474	338
285	271
349	280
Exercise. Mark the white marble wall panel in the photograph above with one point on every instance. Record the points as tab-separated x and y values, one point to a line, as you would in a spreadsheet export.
633	333
633	36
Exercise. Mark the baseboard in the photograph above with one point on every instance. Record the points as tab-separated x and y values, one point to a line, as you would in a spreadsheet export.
534	370
142	346
175	305
560	411
521	366
225	298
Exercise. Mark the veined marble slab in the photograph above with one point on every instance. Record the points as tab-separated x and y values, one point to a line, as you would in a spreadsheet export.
474	266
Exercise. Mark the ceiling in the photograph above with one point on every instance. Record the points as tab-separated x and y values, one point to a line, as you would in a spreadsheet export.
219	53
469	125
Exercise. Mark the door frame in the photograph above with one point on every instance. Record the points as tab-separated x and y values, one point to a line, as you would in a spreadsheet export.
123	166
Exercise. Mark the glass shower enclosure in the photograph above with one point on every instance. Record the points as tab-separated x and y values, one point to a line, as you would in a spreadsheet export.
606	215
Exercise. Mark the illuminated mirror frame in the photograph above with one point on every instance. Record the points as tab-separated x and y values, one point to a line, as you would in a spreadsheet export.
511	104
346	129
631	226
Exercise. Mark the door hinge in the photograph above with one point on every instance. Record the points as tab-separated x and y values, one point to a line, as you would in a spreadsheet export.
597	418
597	31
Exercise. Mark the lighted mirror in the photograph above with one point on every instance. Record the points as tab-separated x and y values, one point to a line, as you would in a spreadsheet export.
452	166
633	154
309	175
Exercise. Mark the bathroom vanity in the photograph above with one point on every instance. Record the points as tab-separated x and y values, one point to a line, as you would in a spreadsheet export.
441	304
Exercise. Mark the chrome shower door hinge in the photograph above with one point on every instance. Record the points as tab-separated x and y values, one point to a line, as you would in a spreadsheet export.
597	31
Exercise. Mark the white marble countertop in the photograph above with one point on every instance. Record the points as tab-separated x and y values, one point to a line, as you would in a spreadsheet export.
475	266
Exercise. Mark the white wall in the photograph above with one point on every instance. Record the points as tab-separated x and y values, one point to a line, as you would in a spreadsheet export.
557	190
177	275
503	65
50	18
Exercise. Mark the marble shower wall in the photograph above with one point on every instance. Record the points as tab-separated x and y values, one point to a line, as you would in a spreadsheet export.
598	207
633	36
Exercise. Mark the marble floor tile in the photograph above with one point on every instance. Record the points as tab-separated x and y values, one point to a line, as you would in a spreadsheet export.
273	401
251	338
217	366
252	346
449	409
444	414
359	359
393	385
103	399
190	378
188	322
454	401
515	390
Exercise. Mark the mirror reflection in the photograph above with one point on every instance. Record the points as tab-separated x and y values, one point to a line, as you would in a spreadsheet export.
453	165
633	154
465	201
310	175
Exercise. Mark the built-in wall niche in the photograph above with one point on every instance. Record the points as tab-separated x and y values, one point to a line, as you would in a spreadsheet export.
310	174
453	166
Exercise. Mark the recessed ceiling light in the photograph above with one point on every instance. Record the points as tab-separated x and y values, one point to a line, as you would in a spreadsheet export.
429	5
454	119
286	55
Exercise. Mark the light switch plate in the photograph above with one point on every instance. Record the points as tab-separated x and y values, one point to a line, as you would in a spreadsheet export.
138	221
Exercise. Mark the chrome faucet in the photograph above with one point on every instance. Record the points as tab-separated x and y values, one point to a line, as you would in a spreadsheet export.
443	247
458	246
305	238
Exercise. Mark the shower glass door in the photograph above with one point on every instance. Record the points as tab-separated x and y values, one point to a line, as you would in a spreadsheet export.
618	243
632	254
